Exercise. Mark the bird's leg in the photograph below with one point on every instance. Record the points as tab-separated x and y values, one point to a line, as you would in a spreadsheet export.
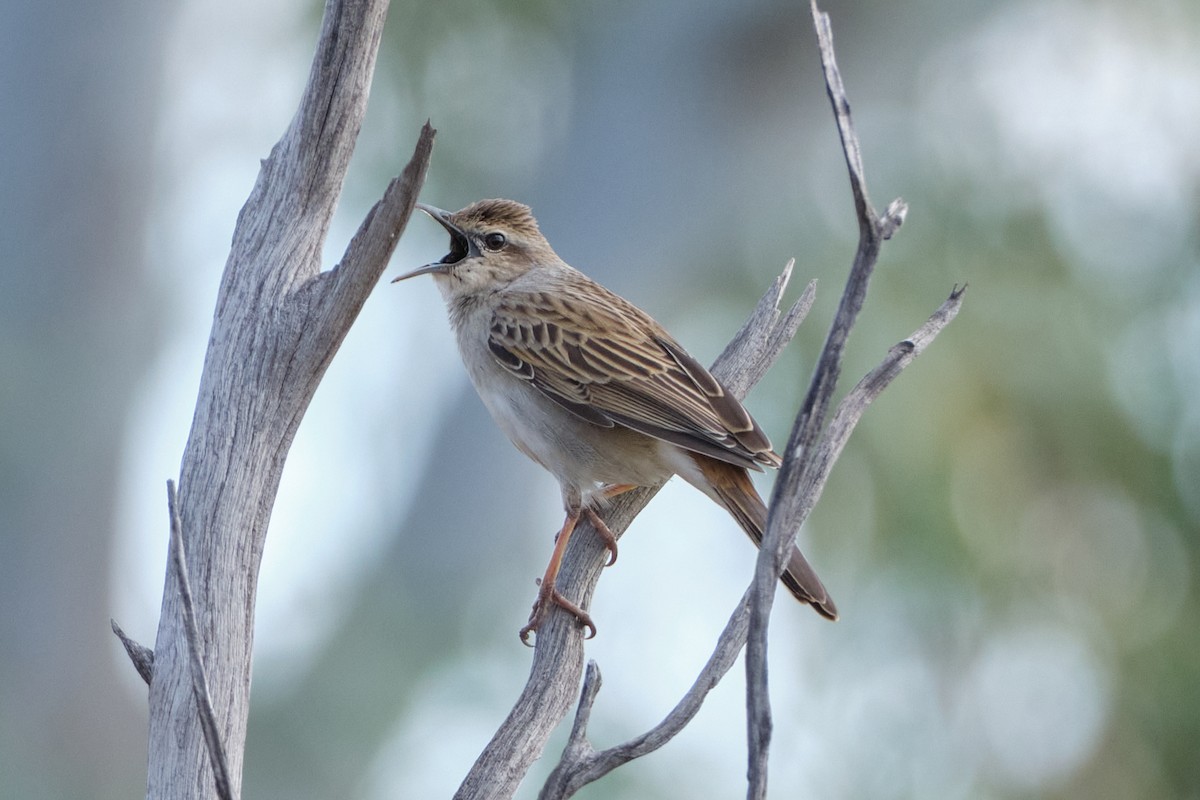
602	529
548	594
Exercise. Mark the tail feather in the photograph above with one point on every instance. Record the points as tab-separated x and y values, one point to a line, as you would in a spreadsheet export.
731	487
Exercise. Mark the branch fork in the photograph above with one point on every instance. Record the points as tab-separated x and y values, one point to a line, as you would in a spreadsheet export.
279	320
811	451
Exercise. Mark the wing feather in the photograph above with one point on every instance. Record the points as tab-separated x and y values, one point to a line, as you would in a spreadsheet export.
608	362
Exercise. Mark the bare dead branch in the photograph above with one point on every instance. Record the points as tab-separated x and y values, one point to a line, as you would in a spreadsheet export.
578	749
279	320
558	655
855	403
782	527
372	245
810	452
583	765
212	737
141	656
763	336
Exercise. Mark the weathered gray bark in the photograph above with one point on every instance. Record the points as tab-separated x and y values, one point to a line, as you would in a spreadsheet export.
810	452
278	322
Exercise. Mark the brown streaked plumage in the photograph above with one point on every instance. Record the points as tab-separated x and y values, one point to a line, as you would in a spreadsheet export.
591	387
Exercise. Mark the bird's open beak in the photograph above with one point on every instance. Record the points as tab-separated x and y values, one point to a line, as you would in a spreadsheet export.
460	246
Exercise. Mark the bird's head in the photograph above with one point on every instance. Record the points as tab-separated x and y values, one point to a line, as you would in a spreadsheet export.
492	242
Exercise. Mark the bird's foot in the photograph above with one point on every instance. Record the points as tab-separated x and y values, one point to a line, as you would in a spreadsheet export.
548	597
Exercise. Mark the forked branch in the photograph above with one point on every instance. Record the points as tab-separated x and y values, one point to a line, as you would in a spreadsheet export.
809	456
279	320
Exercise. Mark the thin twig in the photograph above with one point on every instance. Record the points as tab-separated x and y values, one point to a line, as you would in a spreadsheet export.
141	656
855	403
809	423
763	336
578	747
212	737
797	470
373	243
578	768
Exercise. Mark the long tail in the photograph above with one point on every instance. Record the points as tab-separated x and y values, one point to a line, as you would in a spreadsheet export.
731	487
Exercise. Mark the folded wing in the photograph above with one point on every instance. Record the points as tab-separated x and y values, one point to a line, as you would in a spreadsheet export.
608	362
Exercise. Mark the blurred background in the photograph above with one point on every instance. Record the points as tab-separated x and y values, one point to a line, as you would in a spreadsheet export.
1012	535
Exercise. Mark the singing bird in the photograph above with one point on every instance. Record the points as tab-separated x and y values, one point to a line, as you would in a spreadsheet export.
592	388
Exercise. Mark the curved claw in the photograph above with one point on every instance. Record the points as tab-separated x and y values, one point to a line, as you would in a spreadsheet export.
602	530
548	597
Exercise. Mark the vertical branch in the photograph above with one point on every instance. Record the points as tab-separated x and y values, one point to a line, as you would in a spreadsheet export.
278	323
797	480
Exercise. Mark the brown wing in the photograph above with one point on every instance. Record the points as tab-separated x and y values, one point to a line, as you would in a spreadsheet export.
608	362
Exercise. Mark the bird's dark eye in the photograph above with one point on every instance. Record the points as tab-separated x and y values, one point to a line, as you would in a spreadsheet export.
495	241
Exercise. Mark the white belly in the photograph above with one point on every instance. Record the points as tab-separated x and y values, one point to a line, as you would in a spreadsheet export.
579	454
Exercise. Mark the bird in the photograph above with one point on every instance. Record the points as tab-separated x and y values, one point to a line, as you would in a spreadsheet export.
593	389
